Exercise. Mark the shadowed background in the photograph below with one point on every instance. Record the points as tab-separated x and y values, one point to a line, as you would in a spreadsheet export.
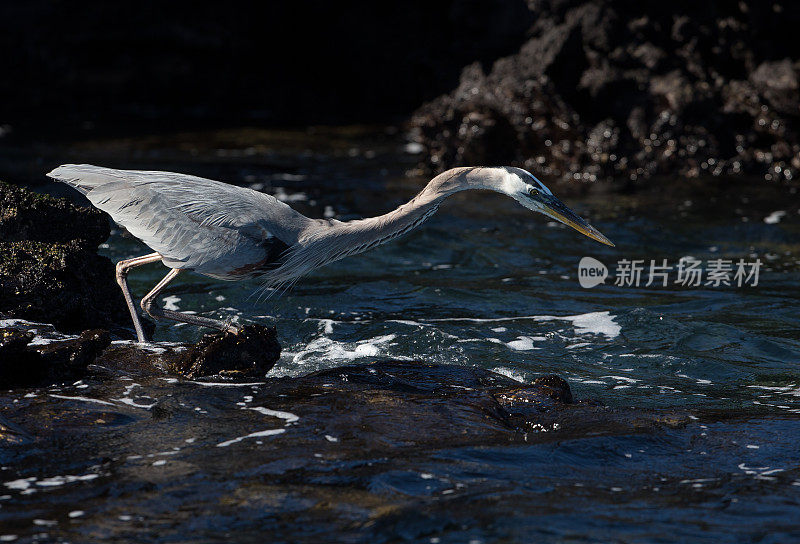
288	63
574	89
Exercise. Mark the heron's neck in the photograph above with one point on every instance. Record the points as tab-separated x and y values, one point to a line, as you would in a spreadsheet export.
382	228
357	236
352	237
326	242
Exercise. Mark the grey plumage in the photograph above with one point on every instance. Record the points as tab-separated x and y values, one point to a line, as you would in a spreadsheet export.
194	223
231	233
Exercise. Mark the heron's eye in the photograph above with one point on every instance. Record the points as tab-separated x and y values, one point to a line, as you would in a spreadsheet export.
533	191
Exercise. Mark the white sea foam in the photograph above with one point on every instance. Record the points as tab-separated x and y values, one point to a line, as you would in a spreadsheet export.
327	325
171	302
286	416
21	484
522	343
67	479
83	399
25	484
595	323
791	389
774	217
406	322
131	402
579	345
589	323
622	379
42	341
151	347
268	432
509	373
331	350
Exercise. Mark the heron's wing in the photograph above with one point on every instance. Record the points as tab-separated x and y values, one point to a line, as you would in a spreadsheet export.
191	221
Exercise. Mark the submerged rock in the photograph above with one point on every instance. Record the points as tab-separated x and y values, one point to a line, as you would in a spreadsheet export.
374	452
49	267
388	405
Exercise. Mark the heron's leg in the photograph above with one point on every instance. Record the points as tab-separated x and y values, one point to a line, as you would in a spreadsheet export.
123	267
157	312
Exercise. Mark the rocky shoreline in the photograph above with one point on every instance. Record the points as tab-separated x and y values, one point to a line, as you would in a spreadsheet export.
630	90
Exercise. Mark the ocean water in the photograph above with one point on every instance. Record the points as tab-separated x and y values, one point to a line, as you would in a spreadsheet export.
485	283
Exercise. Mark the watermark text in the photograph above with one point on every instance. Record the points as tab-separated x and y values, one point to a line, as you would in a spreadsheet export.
686	272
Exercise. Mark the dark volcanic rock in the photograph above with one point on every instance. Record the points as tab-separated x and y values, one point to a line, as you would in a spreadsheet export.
25	215
65	284
631	89
49	268
55	358
56	362
249	354
388	406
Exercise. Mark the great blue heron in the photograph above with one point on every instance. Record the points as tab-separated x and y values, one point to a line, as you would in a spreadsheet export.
233	233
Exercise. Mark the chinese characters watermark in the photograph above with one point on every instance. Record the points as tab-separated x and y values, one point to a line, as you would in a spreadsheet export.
687	272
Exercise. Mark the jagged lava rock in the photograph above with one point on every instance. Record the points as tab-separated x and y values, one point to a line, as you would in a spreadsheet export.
631	89
249	354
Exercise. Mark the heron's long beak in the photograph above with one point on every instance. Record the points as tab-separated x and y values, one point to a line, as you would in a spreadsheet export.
558	210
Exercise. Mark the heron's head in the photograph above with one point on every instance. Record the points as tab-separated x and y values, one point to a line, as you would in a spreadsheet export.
526	189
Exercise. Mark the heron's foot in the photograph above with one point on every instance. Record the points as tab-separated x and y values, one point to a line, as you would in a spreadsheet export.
228	326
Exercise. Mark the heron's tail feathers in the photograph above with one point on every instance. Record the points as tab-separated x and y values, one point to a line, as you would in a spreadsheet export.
84	177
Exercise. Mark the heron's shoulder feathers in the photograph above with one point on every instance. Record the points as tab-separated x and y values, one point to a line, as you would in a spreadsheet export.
192	222
131	195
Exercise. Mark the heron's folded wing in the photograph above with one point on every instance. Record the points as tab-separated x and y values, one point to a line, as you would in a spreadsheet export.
190	221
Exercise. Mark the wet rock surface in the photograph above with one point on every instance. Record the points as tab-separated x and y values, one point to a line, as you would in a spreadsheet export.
361	449
629	89
250	353
26	365
399	404
49	267
33	354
